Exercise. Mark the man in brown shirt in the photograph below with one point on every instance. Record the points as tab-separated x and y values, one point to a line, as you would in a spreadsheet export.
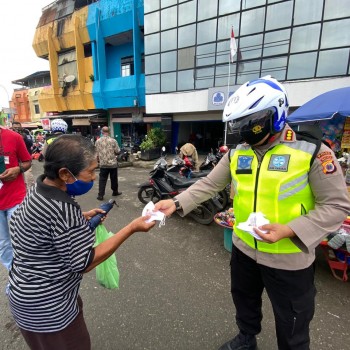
189	150
299	184
107	151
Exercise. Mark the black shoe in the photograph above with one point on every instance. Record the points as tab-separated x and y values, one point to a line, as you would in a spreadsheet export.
100	198
240	342
114	194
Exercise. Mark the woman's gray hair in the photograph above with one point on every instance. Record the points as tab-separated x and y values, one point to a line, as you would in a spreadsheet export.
73	152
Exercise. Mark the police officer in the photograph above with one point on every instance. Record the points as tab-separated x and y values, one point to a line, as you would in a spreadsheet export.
299	186
58	128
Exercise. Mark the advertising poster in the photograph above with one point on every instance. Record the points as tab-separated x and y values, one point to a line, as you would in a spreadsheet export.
345	141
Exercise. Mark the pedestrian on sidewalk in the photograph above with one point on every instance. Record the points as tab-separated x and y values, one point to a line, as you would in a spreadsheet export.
107	151
298	185
14	161
53	246
28	175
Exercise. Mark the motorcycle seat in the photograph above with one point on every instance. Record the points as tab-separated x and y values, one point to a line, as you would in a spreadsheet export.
181	182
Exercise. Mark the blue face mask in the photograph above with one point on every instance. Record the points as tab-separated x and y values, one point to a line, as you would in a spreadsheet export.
78	187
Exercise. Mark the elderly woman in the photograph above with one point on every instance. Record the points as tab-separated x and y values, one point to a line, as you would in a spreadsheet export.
53	248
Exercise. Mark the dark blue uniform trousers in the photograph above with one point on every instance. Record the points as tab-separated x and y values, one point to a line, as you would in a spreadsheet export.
292	295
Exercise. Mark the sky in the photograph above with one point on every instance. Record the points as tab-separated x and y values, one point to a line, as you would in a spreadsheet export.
19	19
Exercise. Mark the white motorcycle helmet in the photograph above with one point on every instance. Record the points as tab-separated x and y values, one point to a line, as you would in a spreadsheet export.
259	107
59	125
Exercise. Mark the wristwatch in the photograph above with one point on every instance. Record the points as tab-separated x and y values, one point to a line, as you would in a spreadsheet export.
21	169
177	204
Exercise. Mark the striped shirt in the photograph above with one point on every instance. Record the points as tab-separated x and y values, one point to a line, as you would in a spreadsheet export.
52	246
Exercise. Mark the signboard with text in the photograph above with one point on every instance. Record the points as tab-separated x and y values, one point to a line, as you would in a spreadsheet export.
345	141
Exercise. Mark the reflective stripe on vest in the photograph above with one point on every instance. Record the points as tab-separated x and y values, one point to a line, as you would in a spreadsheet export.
278	188
50	140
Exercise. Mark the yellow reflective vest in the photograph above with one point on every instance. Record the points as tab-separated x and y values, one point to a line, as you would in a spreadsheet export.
277	186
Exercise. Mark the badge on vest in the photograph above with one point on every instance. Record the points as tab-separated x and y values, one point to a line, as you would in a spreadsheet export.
279	162
244	165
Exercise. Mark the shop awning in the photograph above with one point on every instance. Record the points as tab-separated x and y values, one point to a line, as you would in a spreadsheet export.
324	106
71	116
81	122
31	125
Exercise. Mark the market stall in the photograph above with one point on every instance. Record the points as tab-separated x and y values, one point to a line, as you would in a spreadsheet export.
336	249
329	113
226	220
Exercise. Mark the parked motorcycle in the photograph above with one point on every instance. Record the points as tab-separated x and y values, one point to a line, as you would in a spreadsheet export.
211	160
184	169
123	155
163	185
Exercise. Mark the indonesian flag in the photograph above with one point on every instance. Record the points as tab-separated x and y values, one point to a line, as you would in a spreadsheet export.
233	45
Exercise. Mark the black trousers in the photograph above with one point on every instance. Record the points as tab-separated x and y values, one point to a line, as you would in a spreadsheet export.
104	173
292	295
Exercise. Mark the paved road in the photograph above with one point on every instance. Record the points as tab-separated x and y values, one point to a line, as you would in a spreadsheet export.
174	289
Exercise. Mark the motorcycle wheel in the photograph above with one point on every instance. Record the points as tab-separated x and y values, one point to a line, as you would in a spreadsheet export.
204	213
148	194
221	200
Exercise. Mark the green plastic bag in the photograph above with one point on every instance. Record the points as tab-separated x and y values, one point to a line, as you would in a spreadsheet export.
107	273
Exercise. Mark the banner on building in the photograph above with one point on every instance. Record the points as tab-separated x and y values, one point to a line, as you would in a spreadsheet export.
345	141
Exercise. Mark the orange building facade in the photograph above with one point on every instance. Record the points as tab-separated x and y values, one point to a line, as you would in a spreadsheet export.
20	106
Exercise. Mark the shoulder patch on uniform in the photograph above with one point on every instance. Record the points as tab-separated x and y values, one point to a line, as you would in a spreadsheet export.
326	160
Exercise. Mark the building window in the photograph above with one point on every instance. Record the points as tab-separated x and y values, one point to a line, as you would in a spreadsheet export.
169	18
87	50
67	65
152	43
153	64
37	109
332	62
127	66
302	66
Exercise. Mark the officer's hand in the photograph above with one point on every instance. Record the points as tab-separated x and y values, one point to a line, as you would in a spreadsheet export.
275	232
166	206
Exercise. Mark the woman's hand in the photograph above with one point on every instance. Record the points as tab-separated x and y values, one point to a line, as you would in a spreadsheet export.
140	224
166	206
275	232
91	213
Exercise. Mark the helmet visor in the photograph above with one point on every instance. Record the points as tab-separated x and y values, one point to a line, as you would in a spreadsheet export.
254	122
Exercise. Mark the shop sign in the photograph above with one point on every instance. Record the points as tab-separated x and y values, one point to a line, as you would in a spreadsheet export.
217	98
345	141
45	124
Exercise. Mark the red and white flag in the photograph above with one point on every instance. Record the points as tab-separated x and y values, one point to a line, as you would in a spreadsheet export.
233	45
